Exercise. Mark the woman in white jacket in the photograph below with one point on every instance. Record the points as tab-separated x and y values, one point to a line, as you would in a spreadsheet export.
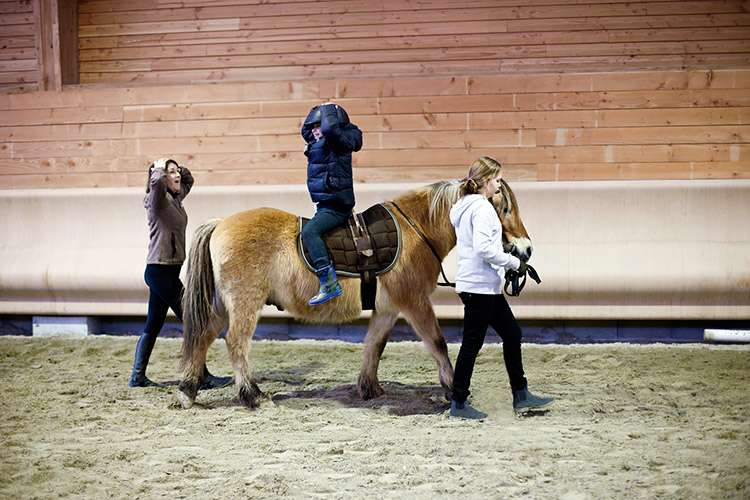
479	282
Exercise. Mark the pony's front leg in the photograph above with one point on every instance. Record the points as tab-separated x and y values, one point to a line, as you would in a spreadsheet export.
377	336
422	318
241	328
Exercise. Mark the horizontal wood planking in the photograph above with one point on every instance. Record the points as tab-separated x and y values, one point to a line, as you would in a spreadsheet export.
543	127
19	67
149	42
333	36
372	12
643	171
426	69
724	126
533	144
658	41
363	57
10	77
480	115
16	7
18	30
118	5
561	88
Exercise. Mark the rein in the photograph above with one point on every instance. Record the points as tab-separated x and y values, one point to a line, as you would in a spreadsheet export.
517	281
424	238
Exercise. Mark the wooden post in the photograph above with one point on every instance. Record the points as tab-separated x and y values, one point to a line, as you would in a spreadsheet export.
57	42
67	13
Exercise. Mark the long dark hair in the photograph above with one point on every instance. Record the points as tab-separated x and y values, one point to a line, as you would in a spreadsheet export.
151	169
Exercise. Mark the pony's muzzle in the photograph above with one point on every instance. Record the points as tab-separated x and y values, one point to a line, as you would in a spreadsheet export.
521	248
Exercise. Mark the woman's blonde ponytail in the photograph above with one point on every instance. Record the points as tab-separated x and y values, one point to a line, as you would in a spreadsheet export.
481	171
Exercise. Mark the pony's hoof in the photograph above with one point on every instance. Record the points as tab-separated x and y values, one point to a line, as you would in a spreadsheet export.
250	395
185	401
369	389
186	393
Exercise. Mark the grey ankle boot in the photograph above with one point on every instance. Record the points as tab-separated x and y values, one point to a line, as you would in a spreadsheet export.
524	400
465	410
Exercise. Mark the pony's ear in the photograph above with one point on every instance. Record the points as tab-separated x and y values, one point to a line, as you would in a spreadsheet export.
501	201
150	167
508	197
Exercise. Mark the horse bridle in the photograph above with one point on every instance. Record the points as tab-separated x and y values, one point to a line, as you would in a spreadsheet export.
514	279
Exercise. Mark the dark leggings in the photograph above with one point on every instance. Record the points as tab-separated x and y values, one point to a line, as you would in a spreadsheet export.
165	291
481	311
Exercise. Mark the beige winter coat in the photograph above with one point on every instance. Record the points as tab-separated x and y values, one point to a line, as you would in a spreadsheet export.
167	218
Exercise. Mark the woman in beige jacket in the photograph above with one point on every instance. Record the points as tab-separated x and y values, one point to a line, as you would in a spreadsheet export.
168	184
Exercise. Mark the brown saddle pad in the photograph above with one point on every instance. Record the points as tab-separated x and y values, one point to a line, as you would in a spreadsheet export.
385	238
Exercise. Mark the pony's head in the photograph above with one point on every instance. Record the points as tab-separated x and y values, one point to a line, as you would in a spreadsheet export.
516	240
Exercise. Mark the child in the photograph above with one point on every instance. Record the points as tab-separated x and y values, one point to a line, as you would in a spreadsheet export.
330	139
479	283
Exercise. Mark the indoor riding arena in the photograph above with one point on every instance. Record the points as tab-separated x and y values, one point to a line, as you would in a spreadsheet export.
623	130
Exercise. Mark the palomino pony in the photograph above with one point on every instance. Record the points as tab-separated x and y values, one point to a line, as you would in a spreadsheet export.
238	264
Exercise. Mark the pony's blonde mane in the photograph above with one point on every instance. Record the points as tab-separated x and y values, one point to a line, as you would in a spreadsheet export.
442	196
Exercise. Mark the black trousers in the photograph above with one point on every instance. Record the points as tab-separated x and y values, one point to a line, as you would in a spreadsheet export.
165	291
481	311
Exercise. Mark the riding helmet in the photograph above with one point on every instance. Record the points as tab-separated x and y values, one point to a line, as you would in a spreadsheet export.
313	117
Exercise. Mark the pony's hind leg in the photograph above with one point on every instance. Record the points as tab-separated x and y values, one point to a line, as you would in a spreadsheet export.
377	336
421	317
241	328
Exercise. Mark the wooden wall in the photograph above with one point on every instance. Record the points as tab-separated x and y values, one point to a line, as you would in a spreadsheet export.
201	40
19	69
635	125
556	90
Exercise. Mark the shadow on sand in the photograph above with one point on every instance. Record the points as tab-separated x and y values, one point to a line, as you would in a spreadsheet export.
398	399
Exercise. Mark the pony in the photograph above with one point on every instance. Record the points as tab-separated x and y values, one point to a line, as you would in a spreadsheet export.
251	258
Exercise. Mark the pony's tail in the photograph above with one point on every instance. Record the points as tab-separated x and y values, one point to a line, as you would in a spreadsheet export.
198	299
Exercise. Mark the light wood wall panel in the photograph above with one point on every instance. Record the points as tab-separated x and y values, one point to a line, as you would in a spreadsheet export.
149	41
19	67
545	127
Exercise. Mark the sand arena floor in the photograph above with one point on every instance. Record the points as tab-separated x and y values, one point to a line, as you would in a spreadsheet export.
630	422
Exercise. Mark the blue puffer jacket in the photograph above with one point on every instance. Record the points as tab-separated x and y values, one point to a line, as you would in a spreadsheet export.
329	160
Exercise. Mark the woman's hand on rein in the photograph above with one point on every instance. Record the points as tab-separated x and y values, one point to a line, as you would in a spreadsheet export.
522	267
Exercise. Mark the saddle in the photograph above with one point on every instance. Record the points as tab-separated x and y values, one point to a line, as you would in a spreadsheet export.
367	246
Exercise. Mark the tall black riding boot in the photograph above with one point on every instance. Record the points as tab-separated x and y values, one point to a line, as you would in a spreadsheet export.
142	354
212	382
